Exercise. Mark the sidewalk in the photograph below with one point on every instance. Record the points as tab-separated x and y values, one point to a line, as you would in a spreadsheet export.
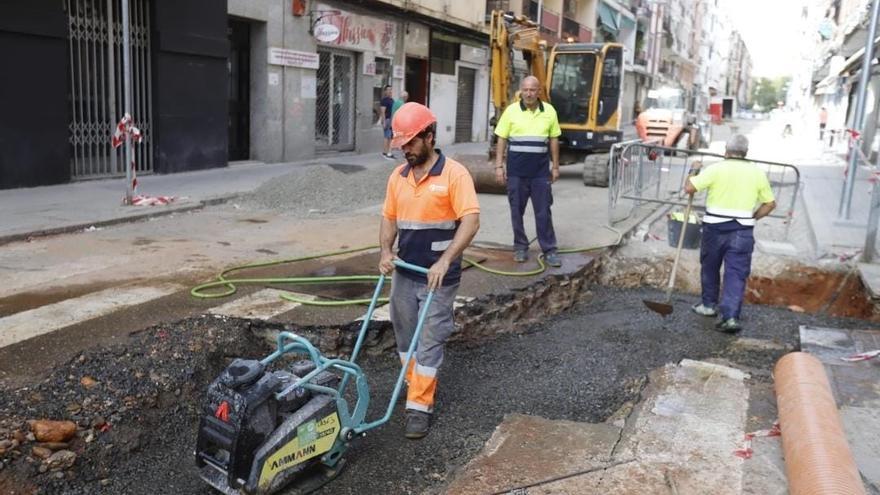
81	205
76	206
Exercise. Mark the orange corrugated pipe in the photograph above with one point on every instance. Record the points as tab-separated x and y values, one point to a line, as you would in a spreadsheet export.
817	456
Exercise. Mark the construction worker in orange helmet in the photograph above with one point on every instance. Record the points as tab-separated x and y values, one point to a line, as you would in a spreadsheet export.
431	209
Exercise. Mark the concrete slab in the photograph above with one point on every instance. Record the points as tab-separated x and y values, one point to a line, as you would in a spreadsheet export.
856	388
694	412
777	248
827	344
679	439
870	275
637	477
527	450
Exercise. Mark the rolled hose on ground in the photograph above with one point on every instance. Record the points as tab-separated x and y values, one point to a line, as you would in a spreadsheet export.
818	459
202	291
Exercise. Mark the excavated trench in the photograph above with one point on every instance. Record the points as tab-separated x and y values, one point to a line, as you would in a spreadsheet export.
798	287
136	404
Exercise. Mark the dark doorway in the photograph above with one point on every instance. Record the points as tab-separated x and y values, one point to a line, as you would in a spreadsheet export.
417	80
239	89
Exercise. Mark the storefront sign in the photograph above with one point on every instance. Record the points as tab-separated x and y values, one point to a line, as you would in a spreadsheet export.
326	33
361	32
293	58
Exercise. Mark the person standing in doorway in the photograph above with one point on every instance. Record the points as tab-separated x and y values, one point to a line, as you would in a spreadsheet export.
531	128
431	209
823	121
735	187
386	105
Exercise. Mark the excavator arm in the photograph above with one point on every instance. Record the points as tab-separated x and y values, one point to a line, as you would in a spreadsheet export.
509	33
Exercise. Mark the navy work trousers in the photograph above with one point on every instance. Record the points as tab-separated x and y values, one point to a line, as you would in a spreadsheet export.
519	190
725	243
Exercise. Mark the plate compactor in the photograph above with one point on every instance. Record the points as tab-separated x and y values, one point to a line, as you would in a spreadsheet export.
288	428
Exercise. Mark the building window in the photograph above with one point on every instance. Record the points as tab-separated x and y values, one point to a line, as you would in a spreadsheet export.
443	56
570	28
569	8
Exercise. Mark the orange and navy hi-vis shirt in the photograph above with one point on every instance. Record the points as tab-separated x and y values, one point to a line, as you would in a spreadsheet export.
428	213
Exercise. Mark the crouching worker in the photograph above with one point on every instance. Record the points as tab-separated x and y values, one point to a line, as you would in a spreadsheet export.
431	209
735	186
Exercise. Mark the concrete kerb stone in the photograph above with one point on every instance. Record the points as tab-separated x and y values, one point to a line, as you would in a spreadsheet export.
154	212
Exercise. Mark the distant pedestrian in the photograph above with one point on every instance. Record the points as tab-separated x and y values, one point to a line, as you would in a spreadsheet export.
398	102
735	187
386	105
823	121
431	209
532	129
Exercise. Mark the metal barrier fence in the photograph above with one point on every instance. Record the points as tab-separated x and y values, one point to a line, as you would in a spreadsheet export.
642	173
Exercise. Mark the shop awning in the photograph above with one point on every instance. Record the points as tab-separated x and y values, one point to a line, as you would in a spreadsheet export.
854	62
626	22
827	86
608	18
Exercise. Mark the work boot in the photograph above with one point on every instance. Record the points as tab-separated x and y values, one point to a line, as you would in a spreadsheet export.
553	260
520	255
730	325
703	310
417	424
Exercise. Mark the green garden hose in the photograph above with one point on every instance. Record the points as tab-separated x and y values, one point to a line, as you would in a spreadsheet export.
202	291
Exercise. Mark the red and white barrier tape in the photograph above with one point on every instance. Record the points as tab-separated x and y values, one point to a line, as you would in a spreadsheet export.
862	356
124	128
142	200
855	142
745	452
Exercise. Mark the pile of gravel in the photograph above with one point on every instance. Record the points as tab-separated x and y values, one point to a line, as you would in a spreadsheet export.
322	190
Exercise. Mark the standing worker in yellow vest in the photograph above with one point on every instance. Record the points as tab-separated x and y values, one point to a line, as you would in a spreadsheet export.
532	129
735	186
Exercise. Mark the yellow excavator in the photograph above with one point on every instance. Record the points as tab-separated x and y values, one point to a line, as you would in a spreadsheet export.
583	82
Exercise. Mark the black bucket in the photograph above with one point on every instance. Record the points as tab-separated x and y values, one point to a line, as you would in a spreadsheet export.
692	234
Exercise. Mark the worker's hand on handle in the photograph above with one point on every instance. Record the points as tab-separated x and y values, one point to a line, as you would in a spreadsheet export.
689	188
436	273
500	175
554	174
386	263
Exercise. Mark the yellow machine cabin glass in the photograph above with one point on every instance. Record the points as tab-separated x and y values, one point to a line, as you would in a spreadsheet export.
571	86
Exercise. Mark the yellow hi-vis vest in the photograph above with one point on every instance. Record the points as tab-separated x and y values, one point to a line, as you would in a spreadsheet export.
735	187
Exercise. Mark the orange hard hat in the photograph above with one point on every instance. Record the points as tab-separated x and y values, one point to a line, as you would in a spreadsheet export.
409	120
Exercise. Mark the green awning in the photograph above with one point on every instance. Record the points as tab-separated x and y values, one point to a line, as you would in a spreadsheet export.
627	23
608	18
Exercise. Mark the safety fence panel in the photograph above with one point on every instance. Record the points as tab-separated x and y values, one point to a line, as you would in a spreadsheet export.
641	173
96	83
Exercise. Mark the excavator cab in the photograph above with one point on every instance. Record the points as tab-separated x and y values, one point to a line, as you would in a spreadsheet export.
585	82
